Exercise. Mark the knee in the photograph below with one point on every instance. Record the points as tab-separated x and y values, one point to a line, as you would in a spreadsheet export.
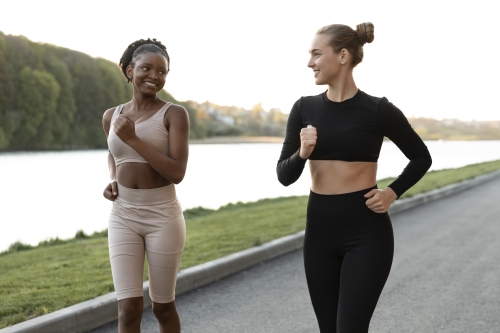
164	312
130	310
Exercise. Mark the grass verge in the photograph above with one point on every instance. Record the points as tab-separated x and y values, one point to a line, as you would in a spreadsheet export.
59	273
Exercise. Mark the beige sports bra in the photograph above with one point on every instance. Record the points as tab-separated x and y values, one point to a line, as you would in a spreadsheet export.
151	130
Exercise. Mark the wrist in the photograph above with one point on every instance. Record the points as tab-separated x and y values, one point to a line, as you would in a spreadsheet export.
301	156
393	194
132	142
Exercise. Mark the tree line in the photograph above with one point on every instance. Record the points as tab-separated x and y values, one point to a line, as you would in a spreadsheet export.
455	129
53	98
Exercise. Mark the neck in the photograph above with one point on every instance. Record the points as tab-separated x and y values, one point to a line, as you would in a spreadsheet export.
342	88
142	103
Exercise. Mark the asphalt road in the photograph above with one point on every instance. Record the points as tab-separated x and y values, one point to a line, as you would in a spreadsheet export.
445	278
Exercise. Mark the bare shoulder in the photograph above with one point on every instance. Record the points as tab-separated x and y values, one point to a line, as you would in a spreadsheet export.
106	118
108	114
177	115
177	111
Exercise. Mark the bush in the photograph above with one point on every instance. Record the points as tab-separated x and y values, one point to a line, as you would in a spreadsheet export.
80	234
19	246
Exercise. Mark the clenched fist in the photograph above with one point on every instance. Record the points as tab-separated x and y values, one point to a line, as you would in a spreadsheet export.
308	137
111	191
124	129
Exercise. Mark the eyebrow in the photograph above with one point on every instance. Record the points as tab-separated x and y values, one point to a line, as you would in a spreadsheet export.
148	64
314	50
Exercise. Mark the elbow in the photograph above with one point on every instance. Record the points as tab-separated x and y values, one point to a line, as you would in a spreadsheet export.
284	177
284	182
425	159
428	160
177	178
177	181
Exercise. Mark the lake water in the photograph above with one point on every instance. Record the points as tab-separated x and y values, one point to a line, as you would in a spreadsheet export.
49	194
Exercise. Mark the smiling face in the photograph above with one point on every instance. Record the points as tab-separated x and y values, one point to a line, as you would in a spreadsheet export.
149	73
325	63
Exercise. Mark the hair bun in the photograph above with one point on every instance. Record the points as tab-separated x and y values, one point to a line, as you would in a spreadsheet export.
365	32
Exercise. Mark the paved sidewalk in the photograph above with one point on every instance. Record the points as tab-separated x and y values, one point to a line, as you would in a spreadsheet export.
445	278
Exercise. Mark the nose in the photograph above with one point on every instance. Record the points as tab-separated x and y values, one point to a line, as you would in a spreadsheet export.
153	75
310	63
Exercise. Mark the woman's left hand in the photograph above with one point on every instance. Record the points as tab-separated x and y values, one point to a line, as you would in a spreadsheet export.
380	200
124	129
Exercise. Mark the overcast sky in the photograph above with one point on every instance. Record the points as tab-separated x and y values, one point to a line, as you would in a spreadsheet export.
430	58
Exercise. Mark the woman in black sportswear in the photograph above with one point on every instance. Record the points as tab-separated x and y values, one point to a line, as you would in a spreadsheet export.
348	246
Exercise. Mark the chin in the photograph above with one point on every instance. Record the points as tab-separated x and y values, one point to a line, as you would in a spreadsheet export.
318	82
149	93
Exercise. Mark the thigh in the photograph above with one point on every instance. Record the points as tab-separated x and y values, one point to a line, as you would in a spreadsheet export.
126	253
369	249
322	267
164	248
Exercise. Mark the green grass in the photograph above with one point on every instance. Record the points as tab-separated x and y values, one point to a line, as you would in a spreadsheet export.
58	273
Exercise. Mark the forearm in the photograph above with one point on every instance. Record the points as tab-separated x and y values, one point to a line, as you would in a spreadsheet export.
290	169
111	167
170	168
414	171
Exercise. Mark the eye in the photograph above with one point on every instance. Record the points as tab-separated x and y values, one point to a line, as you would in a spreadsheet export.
316	54
144	68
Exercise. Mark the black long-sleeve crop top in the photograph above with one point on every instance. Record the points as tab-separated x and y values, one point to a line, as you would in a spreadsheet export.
352	130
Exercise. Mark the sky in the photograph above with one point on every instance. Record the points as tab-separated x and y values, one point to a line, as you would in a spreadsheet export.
430	58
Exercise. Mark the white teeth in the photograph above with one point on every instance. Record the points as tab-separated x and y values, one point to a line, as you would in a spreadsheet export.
150	84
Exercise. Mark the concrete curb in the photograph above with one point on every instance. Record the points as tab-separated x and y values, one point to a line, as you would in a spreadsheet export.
442	192
96	312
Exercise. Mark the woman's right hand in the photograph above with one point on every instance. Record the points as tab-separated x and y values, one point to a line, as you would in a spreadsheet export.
308	137
111	191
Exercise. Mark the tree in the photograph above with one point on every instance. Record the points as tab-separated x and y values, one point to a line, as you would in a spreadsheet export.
36	102
66	107
6	89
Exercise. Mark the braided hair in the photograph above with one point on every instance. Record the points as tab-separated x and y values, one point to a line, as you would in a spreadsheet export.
139	47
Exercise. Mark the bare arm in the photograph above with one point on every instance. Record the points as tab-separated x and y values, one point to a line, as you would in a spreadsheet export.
173	166
110	192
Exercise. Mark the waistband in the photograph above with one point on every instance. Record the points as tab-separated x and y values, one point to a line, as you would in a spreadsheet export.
335	209
153	196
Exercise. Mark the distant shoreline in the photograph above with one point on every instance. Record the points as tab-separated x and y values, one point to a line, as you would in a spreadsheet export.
210	140
237	139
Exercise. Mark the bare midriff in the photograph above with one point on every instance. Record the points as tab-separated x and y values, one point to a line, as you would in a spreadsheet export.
139	176
337	177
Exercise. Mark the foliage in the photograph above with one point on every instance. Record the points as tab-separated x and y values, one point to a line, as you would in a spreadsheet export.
53	98
65	272
217	120
454	129
48	92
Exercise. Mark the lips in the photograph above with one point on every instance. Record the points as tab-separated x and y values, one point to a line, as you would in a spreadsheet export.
315	72
150	84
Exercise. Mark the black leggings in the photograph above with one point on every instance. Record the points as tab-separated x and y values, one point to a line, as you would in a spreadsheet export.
348	252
